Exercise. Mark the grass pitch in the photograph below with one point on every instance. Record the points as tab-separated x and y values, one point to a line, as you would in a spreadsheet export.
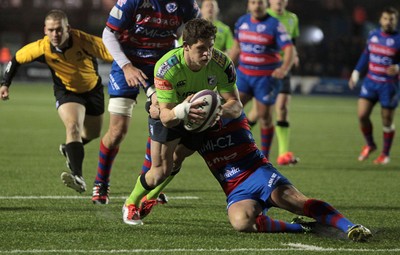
39	215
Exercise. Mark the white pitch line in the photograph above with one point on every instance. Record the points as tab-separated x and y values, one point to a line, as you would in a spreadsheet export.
80	197
296	247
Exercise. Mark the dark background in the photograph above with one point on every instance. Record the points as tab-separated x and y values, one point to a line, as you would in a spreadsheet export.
341	26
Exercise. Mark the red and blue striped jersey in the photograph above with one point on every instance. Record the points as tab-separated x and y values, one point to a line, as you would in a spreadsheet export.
382	50
231	153
260	43
148	28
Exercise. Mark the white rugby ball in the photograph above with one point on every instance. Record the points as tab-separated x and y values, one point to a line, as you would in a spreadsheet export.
211	106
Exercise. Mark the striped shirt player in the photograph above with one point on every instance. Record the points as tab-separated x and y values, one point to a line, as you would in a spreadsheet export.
380	59
137	34
259	38
252	186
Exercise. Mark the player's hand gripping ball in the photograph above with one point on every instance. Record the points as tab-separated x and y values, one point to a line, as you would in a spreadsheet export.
211	106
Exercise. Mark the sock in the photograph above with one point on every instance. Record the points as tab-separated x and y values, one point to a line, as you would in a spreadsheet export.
75	154
388	135
85	141
106	159
266	140
147	158
269	225
367	132
141	189
283	134
324	213
157	190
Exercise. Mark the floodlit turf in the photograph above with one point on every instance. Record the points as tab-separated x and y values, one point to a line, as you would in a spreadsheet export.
57	220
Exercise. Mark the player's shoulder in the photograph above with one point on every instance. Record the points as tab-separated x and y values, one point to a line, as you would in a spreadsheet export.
220	59
169	64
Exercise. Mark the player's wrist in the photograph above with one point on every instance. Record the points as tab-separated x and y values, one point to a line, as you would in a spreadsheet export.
181	111
355	76
150	91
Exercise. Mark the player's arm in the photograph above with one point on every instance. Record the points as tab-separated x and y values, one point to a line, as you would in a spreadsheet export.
234	52
133	75
361	65
288	59
26	54
232	108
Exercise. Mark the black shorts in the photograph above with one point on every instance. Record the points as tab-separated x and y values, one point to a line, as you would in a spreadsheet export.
286	89
159	133
93	100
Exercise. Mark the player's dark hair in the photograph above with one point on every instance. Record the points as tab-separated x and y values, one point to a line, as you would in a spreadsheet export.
198	29
391	10
57	15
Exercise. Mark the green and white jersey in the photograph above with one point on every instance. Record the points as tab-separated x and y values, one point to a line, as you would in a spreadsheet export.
289	21
174	80
224	37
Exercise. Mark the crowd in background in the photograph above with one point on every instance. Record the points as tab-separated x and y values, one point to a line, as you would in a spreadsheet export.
344	25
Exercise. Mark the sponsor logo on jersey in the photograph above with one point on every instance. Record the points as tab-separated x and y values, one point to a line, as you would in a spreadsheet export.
162	84
154	32
171	7
374	39
212	80
116	13
383	50
284	37
231	172
254	37
164	67
172	22
253	48
244	26
147	4
113	83
274	178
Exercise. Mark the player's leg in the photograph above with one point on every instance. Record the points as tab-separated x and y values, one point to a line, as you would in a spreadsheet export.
365	107
121	103
265	113
282	126
162	164
289	198
388	98
252	115
246	216
72	115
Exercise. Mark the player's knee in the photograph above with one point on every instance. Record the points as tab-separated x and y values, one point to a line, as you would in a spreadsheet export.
242	224
73	130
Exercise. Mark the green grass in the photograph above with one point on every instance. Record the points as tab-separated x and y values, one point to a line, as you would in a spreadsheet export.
325	135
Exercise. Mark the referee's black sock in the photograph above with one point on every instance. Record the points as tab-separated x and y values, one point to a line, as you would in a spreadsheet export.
75	154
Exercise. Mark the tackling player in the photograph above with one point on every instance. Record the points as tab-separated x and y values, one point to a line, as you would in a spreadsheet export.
259	38
382	57
137	34
71	56
178	74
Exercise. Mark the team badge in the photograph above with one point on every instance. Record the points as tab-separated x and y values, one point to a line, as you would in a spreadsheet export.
171	7
261	27
389	42
212	80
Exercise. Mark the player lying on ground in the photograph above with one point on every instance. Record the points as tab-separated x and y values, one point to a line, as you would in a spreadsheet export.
252	186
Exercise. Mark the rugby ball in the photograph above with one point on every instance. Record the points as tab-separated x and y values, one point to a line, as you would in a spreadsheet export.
211	107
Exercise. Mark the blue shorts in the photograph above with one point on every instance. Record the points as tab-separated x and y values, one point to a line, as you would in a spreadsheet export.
264	88
386	93
258	186
118	87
